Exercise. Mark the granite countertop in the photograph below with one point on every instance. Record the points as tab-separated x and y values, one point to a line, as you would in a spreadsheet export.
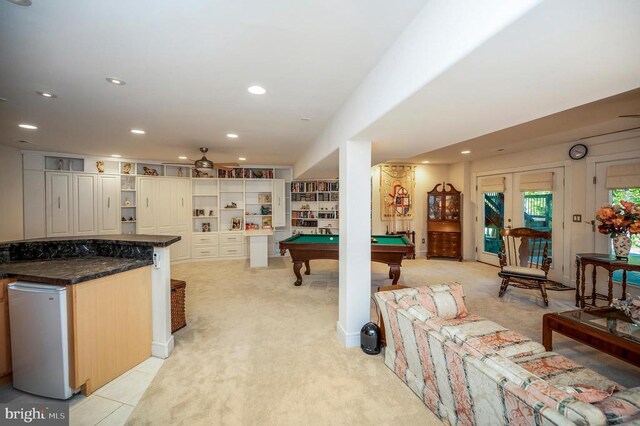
121	239
70	270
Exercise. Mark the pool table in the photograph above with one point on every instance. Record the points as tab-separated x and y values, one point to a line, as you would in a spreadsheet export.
388	249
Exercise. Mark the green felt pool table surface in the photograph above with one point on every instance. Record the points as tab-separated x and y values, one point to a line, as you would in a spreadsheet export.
335	239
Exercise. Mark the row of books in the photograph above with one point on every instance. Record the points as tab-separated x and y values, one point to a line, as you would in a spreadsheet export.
304	223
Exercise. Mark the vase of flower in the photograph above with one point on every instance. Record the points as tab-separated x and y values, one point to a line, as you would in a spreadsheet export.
619	221
622	246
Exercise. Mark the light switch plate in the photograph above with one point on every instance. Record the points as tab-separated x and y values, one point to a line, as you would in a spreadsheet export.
577	218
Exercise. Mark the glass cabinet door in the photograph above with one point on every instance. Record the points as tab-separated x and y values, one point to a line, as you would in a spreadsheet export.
452	207
435	211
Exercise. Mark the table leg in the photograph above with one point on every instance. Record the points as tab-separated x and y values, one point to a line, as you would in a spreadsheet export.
307	268
624	284
593	290
297	265
390	273
610	290
547	334
577	282
582	286
395	271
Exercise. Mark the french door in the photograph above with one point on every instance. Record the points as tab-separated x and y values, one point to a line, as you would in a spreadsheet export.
529	199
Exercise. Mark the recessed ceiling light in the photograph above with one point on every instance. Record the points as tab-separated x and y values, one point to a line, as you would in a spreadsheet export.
257	90
305	118
28	126
21	2
116	155
425	162
465	152
182	157
138	131
241	159
47	94
116	81
232	136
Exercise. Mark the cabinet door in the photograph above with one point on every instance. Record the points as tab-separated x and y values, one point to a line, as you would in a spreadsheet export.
183	205
182	249
109	204
5	340
165	206
85	204
146	205
279	204
59	205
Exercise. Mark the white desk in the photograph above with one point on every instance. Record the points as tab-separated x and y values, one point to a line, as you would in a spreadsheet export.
258	247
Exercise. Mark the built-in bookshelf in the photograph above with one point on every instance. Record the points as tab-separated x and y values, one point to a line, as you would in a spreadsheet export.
315	206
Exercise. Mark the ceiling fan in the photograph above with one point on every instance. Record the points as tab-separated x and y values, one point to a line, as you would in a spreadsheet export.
205	163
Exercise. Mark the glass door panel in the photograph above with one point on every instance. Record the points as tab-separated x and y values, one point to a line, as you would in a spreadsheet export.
493	222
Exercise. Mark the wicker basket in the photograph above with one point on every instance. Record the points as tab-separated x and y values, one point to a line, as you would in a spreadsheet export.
178	316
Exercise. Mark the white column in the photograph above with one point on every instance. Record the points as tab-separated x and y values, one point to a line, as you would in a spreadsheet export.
162	339
355	241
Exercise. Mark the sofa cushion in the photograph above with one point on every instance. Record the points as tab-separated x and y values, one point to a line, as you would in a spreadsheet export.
523	270
413	307
587	393
560	371
443	300
622	407
483	337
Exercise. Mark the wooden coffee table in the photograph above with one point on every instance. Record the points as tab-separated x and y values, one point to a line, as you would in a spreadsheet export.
605	329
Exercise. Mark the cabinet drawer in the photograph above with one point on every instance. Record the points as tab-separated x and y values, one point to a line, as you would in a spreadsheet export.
200	252
231	238
205	238
232	250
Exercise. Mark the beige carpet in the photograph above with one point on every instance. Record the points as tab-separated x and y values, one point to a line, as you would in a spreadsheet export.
258	350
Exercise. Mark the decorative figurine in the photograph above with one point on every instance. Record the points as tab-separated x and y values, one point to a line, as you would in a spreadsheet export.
131	219
180	172
211	213
206	227
127	202
148	171
231	205
126	168
60	164
100	166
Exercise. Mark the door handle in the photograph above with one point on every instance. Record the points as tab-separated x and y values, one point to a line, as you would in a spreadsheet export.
182	201
593	225
147	201
108	202
58	202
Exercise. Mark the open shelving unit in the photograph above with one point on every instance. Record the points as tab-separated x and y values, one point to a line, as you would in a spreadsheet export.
315	206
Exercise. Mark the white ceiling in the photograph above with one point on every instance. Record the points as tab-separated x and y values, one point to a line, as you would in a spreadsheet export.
187	66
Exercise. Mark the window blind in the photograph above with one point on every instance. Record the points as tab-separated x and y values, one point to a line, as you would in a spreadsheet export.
536	182
491	184
623	176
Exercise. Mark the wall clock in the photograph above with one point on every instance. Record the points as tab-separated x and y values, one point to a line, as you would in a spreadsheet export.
578	151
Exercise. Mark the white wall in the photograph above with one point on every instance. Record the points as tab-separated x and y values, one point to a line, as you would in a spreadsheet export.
427	176
578	186
11	224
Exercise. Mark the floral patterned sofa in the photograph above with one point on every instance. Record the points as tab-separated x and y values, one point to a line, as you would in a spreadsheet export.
469	370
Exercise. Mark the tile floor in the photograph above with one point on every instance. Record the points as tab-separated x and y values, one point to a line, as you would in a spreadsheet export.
110	405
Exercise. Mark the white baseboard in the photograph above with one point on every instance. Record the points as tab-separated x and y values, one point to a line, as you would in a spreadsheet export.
348	340
162	350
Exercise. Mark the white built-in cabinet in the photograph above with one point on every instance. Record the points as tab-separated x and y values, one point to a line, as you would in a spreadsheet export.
67	196
279	205
81	204
59	205
108	204
85	204
164	208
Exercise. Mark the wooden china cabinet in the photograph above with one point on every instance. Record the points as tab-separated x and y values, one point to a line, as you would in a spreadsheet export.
444	222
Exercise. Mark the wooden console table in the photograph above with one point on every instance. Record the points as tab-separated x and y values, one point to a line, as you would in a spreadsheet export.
608	262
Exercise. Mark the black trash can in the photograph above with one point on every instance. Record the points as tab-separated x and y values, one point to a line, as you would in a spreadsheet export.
370	339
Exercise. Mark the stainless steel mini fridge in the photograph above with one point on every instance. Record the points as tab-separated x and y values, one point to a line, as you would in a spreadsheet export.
39	339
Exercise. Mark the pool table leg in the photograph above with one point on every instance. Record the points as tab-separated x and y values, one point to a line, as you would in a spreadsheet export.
307	268
297	265
394	272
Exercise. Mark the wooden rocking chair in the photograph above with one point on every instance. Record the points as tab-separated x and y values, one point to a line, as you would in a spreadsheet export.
523	261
